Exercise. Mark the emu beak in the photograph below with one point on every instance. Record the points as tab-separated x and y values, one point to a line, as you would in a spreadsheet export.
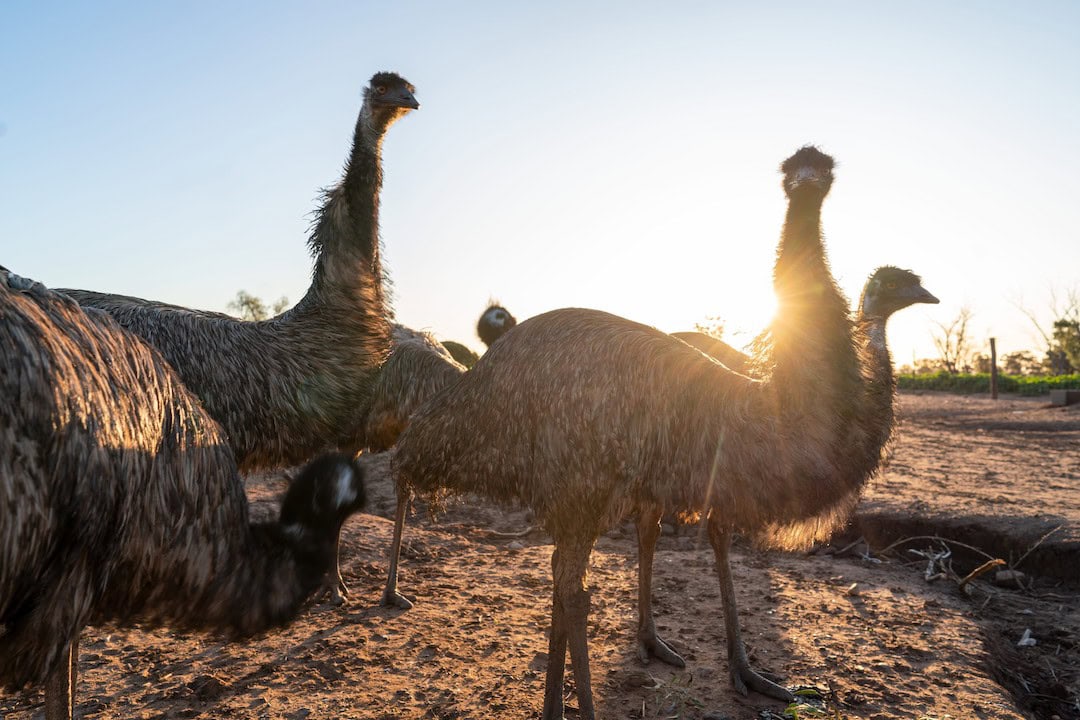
807	176
399	97
921	295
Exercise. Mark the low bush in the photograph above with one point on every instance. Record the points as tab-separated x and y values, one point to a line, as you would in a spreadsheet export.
980	383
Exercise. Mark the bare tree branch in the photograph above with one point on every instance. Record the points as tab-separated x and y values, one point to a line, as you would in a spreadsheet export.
953	343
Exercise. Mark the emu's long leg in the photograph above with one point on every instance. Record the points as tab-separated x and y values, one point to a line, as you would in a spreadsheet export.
335	584
390	595
577	603
742	675
60	685
553	683
570	569
649	643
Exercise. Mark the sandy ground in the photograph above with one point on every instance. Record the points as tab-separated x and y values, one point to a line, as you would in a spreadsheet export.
863	627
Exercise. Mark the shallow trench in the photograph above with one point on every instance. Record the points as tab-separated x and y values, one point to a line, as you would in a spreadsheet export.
1043	678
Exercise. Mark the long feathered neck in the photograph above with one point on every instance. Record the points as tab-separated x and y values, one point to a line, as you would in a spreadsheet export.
809	353
287	568
258	582
345	237
878	381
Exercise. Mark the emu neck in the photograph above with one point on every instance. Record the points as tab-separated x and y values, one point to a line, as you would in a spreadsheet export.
267	585
879	383
801	276
345	239
813	361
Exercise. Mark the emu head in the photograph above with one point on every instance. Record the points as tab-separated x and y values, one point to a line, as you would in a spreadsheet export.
807	172
326	491
890	289
387	98
495	322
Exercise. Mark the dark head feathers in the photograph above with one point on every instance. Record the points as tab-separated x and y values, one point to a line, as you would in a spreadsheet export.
390	89
808	156
890	288
330	486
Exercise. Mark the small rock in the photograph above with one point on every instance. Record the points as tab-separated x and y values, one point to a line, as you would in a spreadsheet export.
1008	578
1026	640
516	545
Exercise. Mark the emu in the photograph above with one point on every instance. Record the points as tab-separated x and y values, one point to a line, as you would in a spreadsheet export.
123	503
288	387
642	422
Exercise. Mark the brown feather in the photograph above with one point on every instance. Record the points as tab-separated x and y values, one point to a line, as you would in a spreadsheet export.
120	499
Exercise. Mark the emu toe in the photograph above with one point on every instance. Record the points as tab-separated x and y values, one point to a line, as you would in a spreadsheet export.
744	678
650	647
392	598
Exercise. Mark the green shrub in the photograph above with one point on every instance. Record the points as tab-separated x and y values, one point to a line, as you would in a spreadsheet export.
980	383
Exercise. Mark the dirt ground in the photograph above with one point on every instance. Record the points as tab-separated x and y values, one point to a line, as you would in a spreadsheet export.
856	620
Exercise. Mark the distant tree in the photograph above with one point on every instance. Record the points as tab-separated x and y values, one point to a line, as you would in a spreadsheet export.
251	307
922	366
713	326
1062	337
1022	362
952	341
1067	342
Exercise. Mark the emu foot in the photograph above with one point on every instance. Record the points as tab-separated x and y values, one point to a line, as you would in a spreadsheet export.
743	678
392	598
651	646
335	590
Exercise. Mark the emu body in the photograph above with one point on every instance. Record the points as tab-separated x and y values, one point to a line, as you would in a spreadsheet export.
588	418
123	503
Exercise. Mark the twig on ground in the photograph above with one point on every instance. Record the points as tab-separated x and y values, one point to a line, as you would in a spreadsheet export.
932	559
846	548
1035	545
984	568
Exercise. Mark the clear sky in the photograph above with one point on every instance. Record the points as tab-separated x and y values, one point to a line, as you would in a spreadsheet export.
615	155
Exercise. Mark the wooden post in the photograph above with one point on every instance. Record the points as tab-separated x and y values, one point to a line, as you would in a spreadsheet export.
993	368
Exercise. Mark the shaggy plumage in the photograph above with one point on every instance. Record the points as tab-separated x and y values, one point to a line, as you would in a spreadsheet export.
120	499
461	354
418	367
288	387
588	418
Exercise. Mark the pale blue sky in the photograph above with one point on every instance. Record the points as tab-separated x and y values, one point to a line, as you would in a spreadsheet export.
613	155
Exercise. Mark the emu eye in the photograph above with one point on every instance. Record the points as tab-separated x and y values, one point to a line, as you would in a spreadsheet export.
890	285
381	89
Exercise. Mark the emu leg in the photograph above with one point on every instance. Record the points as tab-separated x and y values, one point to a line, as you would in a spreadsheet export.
60	685
335	584
391	596
742	675
569	569
649	644
553	683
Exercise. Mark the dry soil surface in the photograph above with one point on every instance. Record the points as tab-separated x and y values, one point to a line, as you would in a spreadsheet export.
858	621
